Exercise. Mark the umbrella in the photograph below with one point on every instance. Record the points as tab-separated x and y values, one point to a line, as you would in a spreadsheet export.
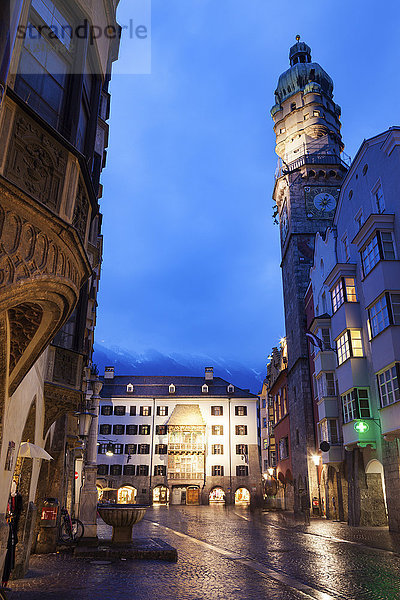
28	450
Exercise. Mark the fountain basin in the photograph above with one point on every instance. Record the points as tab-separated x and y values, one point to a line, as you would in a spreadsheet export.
122	518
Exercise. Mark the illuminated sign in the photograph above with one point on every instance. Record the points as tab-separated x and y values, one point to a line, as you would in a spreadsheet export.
361	426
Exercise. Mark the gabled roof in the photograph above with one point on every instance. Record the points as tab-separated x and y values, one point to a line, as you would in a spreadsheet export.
157	386
186	414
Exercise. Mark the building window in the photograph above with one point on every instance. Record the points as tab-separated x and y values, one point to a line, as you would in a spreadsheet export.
106	410
242	449
306	116
161	449
105	429
284	448
328	431
144	429
102	448
378	316
217	449
162	411
132	411
263	403
330	384
242	470
384	312
356	405
241	411
145	411
266	464
118	448
217	470
316	113
326	338
380	247
282	130
102	469
130	448
143	449
217	411
116	470
160	470
379	200
129	470
264	422
129	388
349	344
142	470
265	443
45	62
119	429
217	430
131	429
161	430
344	291
241	429
172	389
204	388
388	383
119	411
230	389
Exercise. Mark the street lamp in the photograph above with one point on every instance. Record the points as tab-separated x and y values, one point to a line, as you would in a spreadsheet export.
84	422
316	458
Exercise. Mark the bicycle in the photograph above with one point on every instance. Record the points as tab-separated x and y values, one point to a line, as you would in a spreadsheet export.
70	530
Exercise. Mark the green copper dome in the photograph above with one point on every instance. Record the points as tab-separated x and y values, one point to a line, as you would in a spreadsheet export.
301	74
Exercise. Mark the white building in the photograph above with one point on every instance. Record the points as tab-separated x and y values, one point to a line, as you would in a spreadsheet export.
356	293
186	440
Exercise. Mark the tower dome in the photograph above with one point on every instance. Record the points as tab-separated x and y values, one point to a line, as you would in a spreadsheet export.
301	73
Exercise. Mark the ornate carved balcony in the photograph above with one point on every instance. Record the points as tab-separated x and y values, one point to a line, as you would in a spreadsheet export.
46	205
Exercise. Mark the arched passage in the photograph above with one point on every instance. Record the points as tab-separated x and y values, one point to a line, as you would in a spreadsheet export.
242	496
217	496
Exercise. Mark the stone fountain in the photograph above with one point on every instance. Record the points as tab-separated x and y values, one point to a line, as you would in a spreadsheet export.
122	518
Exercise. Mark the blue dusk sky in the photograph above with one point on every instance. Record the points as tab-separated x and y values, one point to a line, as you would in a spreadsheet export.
191	254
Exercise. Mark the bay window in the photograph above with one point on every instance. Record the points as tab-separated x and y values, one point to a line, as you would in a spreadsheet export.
356	405
384	312
380	247
388	385
344	291
349	344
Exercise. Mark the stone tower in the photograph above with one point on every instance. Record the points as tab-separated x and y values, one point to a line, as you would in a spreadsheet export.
308	178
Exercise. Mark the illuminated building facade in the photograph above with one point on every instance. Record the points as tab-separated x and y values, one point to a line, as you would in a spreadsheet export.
355	285
182	440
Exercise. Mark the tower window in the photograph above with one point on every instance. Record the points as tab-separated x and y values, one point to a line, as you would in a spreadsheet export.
282	130
306	116
316	113
293	106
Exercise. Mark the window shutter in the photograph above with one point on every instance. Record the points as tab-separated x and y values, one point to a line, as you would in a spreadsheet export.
355	397
380	247
379	388
389	307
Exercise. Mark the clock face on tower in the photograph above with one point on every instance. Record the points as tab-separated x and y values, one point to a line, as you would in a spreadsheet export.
321	201
284	223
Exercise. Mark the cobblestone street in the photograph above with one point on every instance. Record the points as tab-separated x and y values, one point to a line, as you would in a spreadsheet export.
230	553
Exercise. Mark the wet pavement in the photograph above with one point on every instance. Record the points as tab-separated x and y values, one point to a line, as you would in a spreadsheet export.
230	553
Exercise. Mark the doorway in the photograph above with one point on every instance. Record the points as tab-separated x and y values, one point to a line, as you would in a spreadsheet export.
160	495
193	495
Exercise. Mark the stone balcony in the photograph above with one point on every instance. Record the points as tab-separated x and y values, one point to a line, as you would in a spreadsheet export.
46	205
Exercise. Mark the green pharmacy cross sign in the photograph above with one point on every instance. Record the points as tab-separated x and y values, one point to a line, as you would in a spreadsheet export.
361	426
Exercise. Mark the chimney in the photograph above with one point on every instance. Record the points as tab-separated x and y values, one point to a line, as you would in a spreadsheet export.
108	372
209	374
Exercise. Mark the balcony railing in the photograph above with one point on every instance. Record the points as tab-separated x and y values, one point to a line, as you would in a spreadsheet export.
310	159
185	476
182	447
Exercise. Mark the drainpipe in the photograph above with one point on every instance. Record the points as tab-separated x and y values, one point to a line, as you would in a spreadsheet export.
151	450
230	453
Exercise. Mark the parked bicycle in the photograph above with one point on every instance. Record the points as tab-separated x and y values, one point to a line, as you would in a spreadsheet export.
71	530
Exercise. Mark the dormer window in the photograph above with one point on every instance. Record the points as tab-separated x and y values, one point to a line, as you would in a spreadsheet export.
230	388
129	388
204	388
172	389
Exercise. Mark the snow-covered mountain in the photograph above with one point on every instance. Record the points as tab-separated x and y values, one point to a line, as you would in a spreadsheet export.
153	362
